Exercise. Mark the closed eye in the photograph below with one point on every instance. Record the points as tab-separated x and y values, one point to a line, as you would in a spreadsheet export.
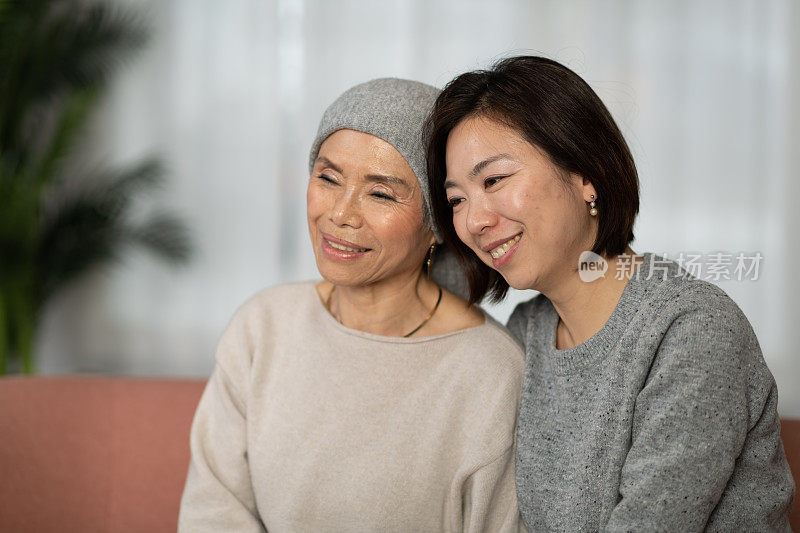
327	179
383	196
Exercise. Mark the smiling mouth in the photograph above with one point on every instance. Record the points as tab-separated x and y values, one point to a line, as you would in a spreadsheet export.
343	248
501	250
341	245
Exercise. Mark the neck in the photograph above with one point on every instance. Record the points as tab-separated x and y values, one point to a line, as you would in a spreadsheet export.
584	308
390	308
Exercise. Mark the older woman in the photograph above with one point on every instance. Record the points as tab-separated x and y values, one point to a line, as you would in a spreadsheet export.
372	400
647	405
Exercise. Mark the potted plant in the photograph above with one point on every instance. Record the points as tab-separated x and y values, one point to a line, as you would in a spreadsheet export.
58	221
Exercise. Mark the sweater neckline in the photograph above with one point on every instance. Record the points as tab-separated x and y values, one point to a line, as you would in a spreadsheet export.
326	319
601	343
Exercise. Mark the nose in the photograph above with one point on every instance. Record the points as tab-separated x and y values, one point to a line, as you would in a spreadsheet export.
346	211
479	218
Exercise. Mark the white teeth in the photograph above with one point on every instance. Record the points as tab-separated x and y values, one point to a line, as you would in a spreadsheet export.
343	247
503	248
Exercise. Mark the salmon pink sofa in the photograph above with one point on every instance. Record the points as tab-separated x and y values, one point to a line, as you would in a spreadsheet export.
93	454
111	454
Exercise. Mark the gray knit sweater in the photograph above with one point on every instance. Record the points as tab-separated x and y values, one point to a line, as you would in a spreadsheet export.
664	420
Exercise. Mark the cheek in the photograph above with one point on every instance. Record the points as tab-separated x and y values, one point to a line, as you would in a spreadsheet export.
400	232
315	202
396	226
565	226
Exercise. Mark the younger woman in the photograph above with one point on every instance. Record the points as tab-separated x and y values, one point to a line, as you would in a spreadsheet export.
647	405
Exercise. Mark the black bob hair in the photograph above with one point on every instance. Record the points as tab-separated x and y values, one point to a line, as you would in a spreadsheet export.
555	110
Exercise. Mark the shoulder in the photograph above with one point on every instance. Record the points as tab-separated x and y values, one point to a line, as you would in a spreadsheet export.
281	300
500	336
697	339
281	295
668	287
524	313
697	305
484	379
490	354
697	330
264	314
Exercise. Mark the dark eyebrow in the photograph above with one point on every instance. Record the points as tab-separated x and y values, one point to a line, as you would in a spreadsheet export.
388	179
380	178
328	163
478	167
486	162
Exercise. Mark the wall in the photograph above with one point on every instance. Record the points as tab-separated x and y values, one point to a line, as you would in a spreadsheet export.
230	93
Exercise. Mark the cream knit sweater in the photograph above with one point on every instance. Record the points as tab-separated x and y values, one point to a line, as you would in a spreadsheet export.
306	425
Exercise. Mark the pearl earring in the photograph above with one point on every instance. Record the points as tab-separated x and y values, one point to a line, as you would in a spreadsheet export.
592	208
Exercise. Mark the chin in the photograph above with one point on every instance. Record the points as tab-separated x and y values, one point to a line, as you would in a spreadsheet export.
521	281
518	285
332	275
338	279
340	275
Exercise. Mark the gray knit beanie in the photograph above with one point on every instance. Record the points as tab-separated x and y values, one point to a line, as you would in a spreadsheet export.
395	110
392	109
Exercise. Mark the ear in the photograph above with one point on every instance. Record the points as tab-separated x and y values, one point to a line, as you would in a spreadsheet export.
431	238
587	190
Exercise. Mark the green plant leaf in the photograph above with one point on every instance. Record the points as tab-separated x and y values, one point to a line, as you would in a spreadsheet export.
69	124
91	225
143	176
58	223
166	236
83	232
51	47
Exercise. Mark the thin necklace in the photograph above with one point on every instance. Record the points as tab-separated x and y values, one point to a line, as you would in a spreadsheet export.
416	329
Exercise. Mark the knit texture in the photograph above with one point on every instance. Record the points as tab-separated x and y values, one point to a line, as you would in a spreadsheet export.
392	109
665	420
306	425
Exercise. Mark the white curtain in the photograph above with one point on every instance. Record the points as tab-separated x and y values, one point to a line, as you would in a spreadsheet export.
229	94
